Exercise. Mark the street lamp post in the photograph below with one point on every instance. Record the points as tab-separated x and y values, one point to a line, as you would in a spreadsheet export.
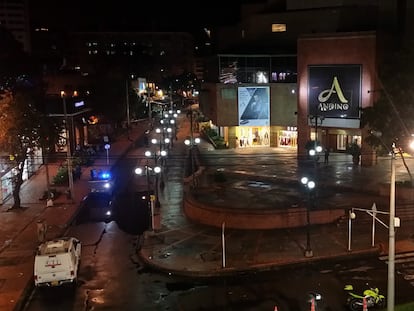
107	147
315	154
127	103
47	172
192	142
148	99
162	139
68	147
152	198
391	230
317	119
149	154
391	238
171	98
310	185
173	125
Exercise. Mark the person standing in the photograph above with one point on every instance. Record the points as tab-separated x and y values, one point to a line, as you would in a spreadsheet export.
326	155
41	230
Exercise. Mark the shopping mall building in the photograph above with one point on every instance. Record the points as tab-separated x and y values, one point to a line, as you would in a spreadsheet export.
280	103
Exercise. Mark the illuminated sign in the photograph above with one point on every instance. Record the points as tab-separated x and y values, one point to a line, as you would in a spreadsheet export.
79	104
334	91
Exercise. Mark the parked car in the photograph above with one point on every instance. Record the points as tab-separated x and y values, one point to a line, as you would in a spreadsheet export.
57	262
97	206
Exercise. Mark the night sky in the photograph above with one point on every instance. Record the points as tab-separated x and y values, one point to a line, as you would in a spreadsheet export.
127	15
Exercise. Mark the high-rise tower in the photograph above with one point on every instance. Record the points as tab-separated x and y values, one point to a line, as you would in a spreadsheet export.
14	17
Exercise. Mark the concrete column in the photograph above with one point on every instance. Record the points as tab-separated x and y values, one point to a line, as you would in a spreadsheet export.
231	138
274	136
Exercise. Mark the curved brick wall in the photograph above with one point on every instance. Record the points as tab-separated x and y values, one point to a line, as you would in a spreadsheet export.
255	219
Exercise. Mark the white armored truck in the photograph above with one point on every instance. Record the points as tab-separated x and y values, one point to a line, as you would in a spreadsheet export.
57	262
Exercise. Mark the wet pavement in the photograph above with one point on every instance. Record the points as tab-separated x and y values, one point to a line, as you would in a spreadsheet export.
256	179
265	179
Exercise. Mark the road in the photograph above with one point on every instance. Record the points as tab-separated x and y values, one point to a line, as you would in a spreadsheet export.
112	278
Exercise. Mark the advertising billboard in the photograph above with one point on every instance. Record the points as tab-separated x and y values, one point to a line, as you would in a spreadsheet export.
334	93
254	105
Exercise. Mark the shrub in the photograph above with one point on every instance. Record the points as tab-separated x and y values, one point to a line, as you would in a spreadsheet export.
353	149
218	141
61	177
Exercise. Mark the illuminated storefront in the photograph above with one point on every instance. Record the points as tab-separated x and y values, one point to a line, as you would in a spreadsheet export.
6	185
256	136
31	165
288	137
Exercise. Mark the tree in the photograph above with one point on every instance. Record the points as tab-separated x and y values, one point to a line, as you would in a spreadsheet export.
355	150
19	135
23	126
392	114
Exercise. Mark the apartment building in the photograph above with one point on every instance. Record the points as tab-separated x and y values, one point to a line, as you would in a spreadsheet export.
14	17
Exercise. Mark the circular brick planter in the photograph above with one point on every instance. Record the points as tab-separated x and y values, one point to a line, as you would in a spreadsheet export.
255	218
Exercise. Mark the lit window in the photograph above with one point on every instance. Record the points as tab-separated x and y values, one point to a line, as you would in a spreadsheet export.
278	27
261	77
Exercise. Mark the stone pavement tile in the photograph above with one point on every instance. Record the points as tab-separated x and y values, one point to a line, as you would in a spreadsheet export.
404	246
15	281
15	221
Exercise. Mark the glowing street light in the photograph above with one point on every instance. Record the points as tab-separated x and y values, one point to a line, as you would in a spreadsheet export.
310	185
107	147
191	142
315	151
147	171
68	147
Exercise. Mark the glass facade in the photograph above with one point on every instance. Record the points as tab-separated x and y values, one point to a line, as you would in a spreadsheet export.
257	69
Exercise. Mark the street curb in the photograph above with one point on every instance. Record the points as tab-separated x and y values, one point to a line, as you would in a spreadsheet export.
24	297
148	263
29	287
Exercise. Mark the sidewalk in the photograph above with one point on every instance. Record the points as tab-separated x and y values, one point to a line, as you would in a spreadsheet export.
18	235
186	248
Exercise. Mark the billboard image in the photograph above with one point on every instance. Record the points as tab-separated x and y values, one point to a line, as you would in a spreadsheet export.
254	105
